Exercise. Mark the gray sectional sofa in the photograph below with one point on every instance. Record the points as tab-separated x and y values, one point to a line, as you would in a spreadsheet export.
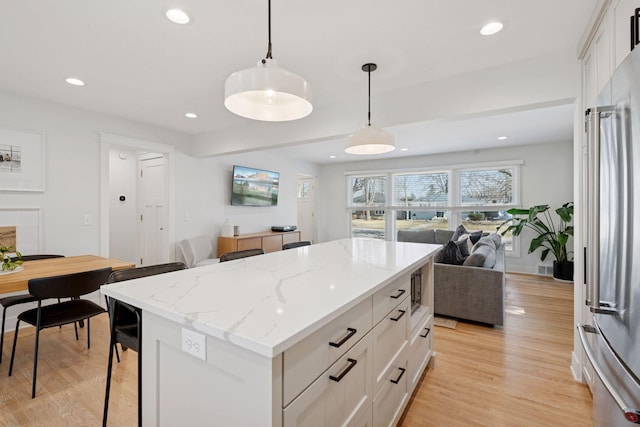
467	292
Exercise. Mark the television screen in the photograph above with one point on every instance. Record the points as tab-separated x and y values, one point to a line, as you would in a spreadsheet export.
254	187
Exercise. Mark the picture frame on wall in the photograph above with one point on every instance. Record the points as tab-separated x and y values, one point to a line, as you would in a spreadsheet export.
21	160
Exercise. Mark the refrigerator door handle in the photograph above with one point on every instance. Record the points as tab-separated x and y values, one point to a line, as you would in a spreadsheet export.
593	117
630	414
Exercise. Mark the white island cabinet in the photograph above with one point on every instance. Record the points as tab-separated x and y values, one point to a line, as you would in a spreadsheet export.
323	335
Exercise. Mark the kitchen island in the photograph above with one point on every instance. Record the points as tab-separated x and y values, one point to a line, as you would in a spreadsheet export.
325	334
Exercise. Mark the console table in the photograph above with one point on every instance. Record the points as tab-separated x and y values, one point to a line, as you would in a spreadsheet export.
268	241
327	336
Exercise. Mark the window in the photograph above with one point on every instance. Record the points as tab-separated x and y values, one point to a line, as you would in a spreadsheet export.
368	194
476	196
486	186
421	189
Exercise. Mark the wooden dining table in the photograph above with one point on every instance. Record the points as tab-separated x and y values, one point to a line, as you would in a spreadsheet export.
19	281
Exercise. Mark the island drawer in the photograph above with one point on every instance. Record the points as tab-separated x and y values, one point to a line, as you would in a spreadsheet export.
388	298
420	351
389	338
306	360
393	395
341	396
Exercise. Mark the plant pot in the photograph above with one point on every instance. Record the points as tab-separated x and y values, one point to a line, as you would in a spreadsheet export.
563	270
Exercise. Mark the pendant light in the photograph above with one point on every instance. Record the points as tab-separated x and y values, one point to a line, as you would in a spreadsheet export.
268	92
370	139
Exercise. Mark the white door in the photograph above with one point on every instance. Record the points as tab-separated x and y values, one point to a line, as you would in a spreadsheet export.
153	190
307	208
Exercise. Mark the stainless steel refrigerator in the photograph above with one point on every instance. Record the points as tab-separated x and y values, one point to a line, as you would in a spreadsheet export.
612	342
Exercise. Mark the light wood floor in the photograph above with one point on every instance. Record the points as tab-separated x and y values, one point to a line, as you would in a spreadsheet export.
513	376
517	375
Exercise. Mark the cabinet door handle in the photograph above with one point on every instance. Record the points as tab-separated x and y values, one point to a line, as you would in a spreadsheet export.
352	363
397	380
351	333
399	294
395	319
427	333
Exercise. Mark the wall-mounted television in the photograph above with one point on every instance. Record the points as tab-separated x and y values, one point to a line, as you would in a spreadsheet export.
254	187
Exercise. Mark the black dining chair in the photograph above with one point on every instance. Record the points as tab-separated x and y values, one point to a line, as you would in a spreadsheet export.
73	286
229	256
295	245
126	325
12	300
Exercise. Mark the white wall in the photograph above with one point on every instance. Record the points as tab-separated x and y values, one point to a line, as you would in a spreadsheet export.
546	177
72	175
203	194
72	167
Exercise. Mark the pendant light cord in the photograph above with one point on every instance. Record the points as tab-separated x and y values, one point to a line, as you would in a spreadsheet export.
369	108
269	48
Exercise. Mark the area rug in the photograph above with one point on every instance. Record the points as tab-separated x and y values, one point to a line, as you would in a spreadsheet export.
445	323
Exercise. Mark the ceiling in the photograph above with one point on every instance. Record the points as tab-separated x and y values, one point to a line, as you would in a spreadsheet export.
139	66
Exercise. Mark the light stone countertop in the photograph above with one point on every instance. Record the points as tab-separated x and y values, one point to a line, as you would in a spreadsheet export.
269	302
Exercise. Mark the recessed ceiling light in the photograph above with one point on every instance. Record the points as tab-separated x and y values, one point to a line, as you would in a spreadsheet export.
332	156
491	28
74	81
404	149
191	115
501	138
178	16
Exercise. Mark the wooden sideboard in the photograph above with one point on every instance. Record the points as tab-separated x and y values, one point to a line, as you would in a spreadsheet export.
268	241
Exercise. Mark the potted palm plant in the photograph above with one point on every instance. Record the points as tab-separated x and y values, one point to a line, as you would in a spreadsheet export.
549	236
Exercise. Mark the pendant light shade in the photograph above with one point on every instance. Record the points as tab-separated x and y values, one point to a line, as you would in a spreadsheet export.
370	139
268	92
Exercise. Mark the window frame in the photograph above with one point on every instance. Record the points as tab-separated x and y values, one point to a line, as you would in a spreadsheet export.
454	206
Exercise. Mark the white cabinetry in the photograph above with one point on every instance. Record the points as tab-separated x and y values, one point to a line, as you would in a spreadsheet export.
621	10
371	383
340	397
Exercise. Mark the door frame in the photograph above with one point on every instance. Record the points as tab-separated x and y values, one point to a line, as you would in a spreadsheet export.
110	141
313	179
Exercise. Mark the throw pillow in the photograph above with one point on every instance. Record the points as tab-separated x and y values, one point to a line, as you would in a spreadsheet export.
494	240
475	236
459	232
482	256
451	254
464	243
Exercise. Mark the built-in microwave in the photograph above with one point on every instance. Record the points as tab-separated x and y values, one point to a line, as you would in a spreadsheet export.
416	290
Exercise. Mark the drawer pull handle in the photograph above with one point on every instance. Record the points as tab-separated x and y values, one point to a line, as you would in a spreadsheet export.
395	319
352	363
351	333
399	294
397	380
427	333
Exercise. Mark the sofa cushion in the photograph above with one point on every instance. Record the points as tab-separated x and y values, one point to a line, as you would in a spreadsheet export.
482	256
421	236
443	236
451	254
